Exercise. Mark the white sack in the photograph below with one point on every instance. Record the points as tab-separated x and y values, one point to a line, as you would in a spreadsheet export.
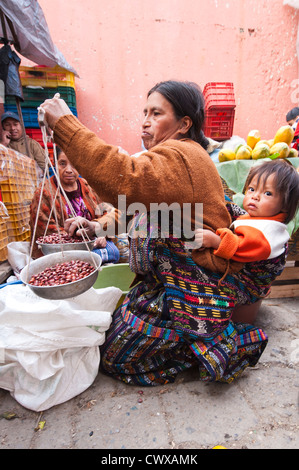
49	349
18	256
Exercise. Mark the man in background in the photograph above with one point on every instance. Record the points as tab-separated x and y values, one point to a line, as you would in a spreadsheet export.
12	137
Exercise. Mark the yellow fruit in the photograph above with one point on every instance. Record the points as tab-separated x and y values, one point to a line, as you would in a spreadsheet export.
253	138
281	148
243	153
226	155
242	145
284	134
271	142
293	153
237	147
262	142
260	151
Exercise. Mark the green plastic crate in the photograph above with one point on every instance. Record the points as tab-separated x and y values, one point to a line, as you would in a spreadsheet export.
115	275
33	97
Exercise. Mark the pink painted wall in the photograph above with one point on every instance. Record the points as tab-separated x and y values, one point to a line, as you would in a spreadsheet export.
121	48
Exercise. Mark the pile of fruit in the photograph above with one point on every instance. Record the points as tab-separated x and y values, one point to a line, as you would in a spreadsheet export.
256	148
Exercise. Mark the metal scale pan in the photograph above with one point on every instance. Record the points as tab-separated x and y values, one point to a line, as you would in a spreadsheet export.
49	248
64	291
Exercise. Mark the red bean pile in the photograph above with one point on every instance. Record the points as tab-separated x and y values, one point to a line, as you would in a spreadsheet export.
62	273
55	239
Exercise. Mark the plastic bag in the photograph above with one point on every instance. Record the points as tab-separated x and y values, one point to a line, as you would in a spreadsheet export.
9	72
18	256
49	349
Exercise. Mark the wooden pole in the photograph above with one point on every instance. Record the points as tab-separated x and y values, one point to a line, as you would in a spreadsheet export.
22	124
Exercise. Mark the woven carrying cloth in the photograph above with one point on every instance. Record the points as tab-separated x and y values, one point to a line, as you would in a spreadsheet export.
178	317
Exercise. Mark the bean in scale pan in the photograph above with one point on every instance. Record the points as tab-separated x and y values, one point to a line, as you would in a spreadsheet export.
62	273
55	239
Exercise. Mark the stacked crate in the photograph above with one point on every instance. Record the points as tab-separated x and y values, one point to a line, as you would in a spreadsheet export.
219	110
40	83
18	181
3	232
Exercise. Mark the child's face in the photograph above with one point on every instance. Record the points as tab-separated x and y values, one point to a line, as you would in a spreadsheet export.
262	200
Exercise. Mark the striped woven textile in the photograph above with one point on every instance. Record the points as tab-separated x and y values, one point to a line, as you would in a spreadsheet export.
179	317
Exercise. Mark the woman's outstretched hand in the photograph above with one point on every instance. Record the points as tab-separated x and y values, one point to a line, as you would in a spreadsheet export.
54	109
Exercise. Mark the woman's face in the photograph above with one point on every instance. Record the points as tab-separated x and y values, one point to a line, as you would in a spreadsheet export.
160	122
68	175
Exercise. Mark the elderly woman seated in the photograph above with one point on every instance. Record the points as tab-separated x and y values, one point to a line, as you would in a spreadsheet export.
82	202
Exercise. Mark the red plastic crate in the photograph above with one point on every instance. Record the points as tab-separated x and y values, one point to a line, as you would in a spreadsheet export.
219	94
219	123
36	134
51	154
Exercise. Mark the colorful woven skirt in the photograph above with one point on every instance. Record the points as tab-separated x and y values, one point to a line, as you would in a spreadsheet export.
176	318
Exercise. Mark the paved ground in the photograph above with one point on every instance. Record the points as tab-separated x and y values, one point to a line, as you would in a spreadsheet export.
259	411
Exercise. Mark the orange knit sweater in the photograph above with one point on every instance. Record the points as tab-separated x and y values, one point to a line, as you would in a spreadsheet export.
253	238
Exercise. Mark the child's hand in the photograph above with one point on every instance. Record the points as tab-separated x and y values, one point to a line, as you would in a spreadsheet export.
206	238
198	238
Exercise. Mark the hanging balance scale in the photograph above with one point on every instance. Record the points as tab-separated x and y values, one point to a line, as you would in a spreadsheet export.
67	269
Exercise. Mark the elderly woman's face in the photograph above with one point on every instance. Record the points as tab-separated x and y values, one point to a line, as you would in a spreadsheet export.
160	122
68	175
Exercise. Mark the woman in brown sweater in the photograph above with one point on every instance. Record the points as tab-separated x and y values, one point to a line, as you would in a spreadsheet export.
178	314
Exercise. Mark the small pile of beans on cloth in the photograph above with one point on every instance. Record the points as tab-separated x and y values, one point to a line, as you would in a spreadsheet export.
62	273
55	239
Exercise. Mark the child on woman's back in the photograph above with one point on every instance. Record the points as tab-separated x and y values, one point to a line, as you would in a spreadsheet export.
271	201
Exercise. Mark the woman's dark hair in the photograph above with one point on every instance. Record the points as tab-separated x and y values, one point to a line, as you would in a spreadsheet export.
292	114
58	151
286	180
186	99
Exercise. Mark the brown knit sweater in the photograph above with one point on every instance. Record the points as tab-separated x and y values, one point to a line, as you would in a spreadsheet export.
175	171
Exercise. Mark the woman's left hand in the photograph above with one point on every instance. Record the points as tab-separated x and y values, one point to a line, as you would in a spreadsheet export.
80	226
